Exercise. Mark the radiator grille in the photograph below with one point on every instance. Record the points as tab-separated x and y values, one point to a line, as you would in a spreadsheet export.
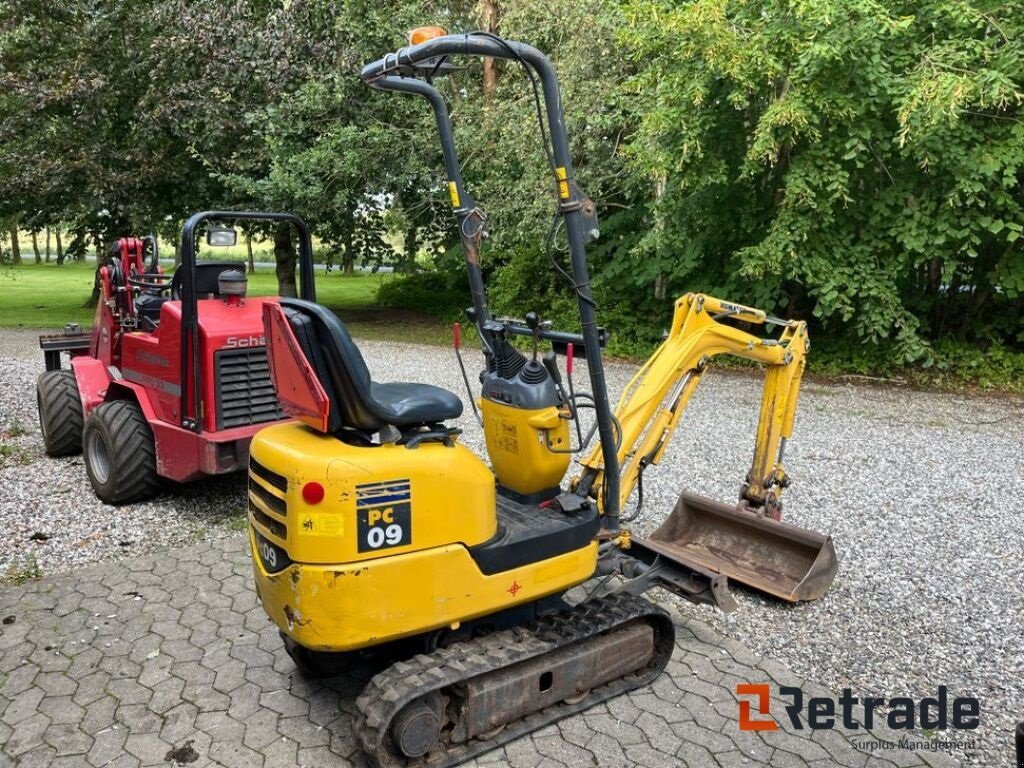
268	511
275	528
276	480
274	503
245	393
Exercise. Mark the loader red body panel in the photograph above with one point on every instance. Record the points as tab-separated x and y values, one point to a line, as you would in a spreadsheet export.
145	367
189	349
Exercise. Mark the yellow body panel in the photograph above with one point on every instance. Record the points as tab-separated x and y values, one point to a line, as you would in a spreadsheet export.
356	605
451	493
342	593
519	442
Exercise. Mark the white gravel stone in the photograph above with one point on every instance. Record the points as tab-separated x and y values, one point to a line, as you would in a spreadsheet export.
921	491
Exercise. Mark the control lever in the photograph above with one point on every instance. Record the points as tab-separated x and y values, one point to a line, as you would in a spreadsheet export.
550	361
533	323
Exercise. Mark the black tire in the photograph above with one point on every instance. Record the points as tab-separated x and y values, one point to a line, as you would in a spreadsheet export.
315	664
120	456
60	412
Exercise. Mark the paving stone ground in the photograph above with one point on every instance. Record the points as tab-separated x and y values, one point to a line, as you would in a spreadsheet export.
169	660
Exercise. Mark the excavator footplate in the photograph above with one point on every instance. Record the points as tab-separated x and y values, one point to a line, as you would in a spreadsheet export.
783	560
443	708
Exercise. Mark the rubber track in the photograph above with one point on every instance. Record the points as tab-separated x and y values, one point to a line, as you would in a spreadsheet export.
388	692
61	409
133	455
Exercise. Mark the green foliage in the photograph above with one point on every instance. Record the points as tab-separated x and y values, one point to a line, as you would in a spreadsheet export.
952	364
82	141
854	161
432	293
238	522
27	571
16	428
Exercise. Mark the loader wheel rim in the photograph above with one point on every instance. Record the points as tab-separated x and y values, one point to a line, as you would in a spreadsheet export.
99	458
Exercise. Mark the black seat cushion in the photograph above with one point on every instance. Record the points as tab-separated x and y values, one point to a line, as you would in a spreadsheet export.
148	307
357	401
403	403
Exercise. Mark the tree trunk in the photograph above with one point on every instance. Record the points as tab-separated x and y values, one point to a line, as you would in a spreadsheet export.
491	14
35	247
102	258
411	247
47	245
60	248
284	257
348	261
659	286
15	246
94	297
248	248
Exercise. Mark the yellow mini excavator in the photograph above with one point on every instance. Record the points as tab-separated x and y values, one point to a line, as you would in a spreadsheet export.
373	527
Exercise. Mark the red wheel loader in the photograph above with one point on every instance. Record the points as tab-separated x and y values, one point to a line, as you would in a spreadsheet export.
172	380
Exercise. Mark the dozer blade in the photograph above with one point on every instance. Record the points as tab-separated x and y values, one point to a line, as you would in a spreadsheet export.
783	560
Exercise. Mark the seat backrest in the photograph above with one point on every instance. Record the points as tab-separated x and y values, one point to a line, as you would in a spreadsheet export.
337	362
207	273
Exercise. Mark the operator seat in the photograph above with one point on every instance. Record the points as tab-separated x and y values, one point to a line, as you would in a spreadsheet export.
150	300
358	402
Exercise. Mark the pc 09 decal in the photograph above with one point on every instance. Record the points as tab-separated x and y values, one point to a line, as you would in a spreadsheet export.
384	515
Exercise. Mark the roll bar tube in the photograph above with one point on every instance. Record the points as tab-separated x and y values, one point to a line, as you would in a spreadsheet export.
393	67
467	214
190	302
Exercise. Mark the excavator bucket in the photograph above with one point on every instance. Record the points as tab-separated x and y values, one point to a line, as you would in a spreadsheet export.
783	560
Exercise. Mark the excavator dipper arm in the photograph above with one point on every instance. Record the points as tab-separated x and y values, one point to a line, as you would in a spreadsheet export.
654	400
745	542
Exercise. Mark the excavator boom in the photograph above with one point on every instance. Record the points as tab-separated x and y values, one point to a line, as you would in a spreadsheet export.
746	542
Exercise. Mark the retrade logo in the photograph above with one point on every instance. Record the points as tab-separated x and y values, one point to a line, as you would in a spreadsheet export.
932	713
762	695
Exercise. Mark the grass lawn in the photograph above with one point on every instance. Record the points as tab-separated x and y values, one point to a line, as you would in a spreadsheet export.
48	296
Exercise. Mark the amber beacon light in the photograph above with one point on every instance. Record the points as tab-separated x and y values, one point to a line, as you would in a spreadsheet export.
422	34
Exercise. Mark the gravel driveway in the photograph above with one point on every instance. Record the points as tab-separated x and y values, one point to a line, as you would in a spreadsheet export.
921	492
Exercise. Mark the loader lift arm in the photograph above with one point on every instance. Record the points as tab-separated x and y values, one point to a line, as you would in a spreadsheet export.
654	400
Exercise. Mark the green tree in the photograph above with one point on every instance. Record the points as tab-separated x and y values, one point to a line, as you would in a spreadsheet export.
857	160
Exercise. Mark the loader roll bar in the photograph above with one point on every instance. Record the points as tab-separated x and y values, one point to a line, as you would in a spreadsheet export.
391	72
193	420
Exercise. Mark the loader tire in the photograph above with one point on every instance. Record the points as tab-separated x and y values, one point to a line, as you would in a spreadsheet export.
60	412
120	455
